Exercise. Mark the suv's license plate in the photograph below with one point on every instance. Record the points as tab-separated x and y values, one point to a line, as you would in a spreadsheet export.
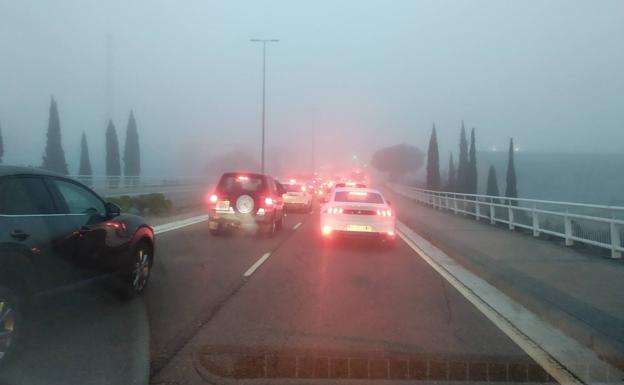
359	228
223	205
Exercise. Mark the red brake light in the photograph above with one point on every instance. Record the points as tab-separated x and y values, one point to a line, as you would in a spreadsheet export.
243	177
303	188
213	198
268	201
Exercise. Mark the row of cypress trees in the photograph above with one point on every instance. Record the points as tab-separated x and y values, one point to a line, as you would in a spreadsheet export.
54	155
463	178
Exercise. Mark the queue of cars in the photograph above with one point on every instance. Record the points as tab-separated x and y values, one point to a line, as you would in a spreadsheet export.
55	232
259	202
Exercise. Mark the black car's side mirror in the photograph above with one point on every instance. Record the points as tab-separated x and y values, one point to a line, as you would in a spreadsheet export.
112	210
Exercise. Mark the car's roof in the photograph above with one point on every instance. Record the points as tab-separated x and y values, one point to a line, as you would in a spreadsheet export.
251	174
6	170
368	190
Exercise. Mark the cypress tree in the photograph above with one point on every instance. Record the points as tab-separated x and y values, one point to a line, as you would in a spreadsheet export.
85	170
54	156
113	164
492	184
472	165
452	176
511	191
433	162
461	184
1	144
132	152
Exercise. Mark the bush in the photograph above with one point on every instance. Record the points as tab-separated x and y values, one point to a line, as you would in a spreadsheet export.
155	204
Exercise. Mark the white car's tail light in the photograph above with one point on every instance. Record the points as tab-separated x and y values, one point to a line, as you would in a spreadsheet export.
334	210
326	230
268	201
384	213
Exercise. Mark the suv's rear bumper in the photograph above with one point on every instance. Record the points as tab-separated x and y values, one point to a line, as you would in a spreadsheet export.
218	219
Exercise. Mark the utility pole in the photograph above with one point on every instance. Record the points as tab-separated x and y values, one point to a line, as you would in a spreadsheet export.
264	42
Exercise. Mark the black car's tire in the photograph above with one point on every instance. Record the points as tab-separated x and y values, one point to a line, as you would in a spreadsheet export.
10	321
142	261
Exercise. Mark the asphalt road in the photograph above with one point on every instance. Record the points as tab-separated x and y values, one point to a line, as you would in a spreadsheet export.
313	310
339	310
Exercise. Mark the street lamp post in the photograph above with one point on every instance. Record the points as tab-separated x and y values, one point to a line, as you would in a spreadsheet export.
264	42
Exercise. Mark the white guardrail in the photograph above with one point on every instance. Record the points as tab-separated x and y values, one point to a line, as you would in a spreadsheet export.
597	225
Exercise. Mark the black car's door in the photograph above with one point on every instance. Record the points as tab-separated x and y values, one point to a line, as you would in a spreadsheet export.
27	217
90	235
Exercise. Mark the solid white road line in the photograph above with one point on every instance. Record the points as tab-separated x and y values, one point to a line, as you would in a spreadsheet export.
257	265
179	224
565	359
295	227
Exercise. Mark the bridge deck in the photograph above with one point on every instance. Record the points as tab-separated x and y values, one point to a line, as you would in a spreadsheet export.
580	293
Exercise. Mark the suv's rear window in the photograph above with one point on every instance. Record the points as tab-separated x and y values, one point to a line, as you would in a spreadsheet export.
241	183
294	187
358	197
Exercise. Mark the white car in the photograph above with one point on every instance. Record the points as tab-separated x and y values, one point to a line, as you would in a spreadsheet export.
357	211
297	197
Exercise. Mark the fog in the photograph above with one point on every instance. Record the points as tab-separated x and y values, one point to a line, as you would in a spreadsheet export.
360	74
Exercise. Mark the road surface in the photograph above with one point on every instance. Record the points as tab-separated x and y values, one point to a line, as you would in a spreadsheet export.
292	307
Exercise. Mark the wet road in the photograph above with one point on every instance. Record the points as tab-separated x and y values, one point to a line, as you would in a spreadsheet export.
311	310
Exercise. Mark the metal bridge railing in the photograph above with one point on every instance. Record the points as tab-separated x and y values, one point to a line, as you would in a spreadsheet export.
597	225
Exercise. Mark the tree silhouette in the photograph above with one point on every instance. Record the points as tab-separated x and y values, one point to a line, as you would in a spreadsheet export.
511	191
85	172
54	156
433	162
132	152
113	166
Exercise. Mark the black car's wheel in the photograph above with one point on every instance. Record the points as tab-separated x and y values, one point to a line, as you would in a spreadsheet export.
10	321
141	267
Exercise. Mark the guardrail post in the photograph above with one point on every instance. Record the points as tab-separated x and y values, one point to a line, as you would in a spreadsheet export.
567	226
454	204
477	209
616	243
511	216
536	232
492	213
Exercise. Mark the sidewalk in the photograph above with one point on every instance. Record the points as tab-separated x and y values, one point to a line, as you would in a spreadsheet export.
581	294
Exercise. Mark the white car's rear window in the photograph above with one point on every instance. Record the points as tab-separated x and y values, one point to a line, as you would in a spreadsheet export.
358	197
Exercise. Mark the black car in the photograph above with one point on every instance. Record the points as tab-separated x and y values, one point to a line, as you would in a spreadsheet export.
56	232
247	200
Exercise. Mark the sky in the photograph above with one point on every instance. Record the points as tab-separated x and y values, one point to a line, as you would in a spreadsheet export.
348	76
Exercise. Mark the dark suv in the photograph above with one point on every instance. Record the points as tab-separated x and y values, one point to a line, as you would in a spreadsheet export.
56	232
247	200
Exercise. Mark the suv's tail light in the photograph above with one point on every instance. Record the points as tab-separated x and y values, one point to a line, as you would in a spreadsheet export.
334	210
213	198
268	201
385	213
